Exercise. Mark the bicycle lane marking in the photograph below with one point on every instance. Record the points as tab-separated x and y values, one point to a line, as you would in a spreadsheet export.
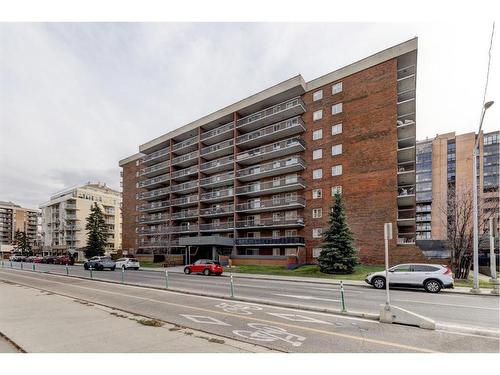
314	330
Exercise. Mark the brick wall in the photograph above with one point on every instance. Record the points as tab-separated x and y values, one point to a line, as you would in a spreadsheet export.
129	213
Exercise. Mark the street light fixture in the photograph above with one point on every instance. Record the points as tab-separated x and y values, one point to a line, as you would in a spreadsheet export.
475	260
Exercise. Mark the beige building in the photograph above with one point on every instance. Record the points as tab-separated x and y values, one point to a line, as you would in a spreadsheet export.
64	217
13	217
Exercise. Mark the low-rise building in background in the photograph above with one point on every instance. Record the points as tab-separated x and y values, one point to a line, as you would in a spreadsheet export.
13	217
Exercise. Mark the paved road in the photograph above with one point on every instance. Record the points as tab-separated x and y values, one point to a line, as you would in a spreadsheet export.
451	309
283	329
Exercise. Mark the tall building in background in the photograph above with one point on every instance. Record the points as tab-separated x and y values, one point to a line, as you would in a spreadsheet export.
64	217
256	180
444	172
13	217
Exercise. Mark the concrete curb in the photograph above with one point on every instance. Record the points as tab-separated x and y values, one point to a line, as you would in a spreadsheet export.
468	330
15	345
399	315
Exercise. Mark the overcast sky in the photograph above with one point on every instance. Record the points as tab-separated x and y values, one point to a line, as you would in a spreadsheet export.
75	98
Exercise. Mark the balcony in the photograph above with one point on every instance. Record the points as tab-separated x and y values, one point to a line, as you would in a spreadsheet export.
154	243
72	227
271	133
152	231
406	239
185	201
271	115
270	223
224	210
154	182
423	218
406	217
406	150
406	173
186	160
185	214
270	241
185	188
70	206
279	185
276	204
156	157
154	206
271	151
155	170
154	218
189	145
274	168
184	174
217	150
221	227
193	228
218	134
218	165
406	195
223	179
153	194
218	195
70	217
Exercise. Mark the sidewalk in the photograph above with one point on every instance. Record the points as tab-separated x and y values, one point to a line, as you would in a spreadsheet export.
41	322
312	280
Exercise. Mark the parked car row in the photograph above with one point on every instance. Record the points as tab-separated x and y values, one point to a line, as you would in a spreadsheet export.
101	263
62	259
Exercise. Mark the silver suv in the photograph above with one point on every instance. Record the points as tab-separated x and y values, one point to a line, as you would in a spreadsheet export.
100	263
431	277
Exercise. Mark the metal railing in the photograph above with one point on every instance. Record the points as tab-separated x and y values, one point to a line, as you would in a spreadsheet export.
154	180
217	131
275	128
406	190
154	217
184	214
217	178
153	193
185	200
220	226
154	205
222	193
274	147
226	209
182	158
184	228
259	223
289	104
270	185
274	165
188	142
155	167
270	203
185	172
184	186
216	147
156	154
217	163
270	241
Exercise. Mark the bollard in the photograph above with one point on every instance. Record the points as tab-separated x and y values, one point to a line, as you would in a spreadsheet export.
123	275
33	266
67	270
90	272
10	264
342	299
166	279
2	263
21	264
231	290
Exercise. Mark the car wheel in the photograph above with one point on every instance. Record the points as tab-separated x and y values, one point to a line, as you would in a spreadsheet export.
112	268
124	268
432	286
206	272
378	282
187	270
86	266
100	267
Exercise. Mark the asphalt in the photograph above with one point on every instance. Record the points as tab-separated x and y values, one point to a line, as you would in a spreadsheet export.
467	310
282	329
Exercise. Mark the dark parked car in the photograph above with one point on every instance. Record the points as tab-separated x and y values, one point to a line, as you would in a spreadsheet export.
48	259
100	263
64	259
38	259
205	266
17	258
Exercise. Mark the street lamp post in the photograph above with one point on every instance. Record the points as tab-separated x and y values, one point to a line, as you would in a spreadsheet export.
475	261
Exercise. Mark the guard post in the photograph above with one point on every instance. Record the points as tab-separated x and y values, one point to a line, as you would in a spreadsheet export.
493	223
385	313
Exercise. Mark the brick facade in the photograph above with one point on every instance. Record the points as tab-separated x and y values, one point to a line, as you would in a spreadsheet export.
129	202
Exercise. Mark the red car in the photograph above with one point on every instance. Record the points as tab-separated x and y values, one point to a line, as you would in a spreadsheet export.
64	259
37	260
205	266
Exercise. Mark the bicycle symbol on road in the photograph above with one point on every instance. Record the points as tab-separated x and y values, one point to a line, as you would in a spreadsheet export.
238	308
268	333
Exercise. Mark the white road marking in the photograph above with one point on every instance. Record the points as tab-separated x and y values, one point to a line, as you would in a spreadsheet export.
446	304
307	297
267	333
299	318
205	320
238	308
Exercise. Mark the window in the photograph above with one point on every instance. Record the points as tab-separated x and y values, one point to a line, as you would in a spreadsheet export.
336	129
317	134
336	88
402	268
276	233
291	233
317	232
336	108
317	213
317	154
317	174
336	150
318	95
317	193
317	115
316	252
337	170
290	251
336	190
291	215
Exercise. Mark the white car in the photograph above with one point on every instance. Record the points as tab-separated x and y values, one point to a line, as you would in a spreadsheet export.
128	263
431	277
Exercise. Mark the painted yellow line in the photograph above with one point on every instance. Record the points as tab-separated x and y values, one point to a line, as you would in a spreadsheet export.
346	336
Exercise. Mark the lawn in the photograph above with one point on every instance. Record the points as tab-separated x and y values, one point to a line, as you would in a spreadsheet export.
150	264
305	271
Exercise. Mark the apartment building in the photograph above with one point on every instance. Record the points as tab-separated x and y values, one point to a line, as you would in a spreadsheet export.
64	216
255	180
444	171
13	217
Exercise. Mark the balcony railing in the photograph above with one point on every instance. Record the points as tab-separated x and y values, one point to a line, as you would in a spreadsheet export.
272	114
184	214
70	217
215	227
184	158
272	222
218	148
406	190
154	181
155	155
217	194
406	214
145	195
185	172
278	184
161	229
154	206
154	218
154	243
185	187
217	211
217	131
70	206
272	150
423	218
216	179
277	165
406	239
155	168
272	203
269	241
185	200
188	142
281	129
184	229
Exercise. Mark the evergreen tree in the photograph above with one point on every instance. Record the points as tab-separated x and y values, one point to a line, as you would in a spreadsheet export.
338	254
21	243
97	232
